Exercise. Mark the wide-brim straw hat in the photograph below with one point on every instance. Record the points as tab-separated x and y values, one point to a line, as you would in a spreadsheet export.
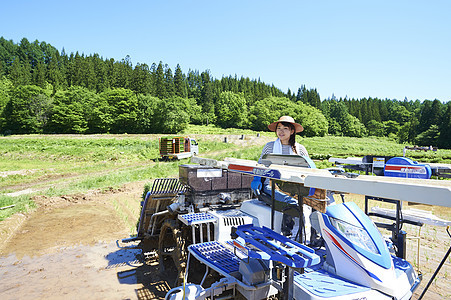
287	119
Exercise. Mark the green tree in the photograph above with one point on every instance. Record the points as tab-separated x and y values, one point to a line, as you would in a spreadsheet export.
169	82
351	126
89	74
403	133
98	114
302	94
265	111
445	128
391	127
337	114
195	112
314	98
428	137
20	73
124	110
426	116
194	81
172	115
438	110
413	129
231	110
71	110
179	83
75	77
206	97
364	111
102	81
54	74
141	81
7	54
27	111
6	87
312	119
160	86
39	75
121	73
147	110
375	128
400	114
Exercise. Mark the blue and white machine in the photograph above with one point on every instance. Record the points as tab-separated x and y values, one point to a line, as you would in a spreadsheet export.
406	168
353	262
357	254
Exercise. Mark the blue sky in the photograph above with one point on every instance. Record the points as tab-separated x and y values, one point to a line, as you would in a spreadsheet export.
386	49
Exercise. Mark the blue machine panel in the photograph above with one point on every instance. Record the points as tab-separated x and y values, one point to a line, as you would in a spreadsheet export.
196	218
406	168
217	255
326	285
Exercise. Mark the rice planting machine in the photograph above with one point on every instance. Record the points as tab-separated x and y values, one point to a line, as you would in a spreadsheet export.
227	243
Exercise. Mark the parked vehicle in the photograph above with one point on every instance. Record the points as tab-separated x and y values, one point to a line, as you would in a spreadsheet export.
177	147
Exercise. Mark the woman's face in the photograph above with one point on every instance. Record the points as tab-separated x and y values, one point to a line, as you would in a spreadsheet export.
283	133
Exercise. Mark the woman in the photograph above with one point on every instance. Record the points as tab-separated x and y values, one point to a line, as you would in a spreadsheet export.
285	129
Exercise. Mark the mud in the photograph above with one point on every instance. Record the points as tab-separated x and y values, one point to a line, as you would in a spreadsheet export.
66	249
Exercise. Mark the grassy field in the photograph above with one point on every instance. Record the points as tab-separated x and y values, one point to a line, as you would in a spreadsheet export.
55	165
32	166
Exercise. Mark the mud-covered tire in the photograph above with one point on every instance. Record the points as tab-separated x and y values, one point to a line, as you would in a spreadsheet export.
172	243
149	244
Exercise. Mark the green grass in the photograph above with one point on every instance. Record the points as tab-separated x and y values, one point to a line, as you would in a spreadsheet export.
66	164
213	146
78	148
212	129
20	204
332	146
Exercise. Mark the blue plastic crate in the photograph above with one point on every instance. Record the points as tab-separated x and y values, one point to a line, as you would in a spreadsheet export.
217	255
197	218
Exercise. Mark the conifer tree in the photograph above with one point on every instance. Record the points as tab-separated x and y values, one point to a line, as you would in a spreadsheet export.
445	128
54	76
169	83
160	87
179	83
20	73
140	82
39	75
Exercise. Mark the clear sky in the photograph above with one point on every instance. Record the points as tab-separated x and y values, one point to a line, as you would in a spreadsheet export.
387	48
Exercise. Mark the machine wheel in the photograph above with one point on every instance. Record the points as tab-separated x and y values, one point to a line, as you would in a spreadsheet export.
172	244
149	244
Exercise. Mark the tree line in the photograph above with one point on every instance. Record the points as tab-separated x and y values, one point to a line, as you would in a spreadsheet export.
43	90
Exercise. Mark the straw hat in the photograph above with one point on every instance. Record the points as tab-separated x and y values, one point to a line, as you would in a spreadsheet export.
287	119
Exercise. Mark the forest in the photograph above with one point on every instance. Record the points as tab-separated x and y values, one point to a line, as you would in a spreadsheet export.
43	90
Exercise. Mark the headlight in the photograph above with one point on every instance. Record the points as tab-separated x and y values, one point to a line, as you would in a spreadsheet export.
356	235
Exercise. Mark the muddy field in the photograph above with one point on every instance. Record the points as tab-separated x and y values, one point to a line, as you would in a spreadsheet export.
66	249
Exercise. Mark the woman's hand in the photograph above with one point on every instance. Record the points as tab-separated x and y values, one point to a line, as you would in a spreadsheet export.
256	185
